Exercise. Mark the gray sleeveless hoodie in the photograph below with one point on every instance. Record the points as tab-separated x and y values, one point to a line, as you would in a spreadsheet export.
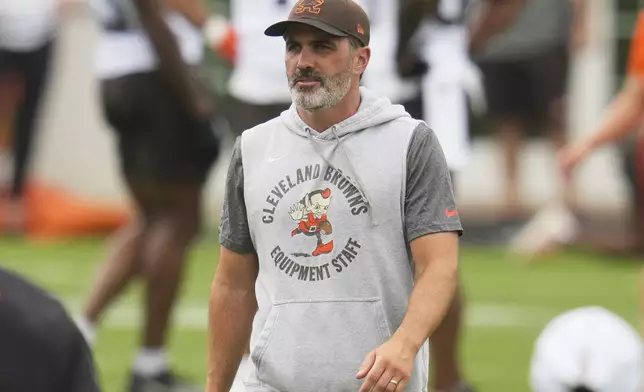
325	215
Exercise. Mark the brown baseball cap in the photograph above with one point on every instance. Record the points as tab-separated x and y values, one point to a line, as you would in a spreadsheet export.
342	18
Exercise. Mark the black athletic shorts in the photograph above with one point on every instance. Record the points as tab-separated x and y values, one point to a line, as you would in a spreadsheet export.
415	107
33	69
157	139
526	88
243	115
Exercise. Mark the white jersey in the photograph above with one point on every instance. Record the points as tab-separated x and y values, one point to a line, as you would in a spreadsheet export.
124	47
382	75
259	76
27	25
451	77
589	347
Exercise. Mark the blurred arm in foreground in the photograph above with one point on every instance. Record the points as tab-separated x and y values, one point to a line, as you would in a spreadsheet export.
43	350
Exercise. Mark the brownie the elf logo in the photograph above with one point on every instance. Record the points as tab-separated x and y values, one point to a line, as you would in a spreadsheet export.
310	213
312	254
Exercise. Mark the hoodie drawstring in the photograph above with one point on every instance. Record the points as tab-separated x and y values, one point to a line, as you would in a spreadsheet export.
357	184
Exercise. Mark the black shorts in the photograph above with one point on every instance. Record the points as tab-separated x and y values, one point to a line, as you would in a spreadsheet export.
415	107
526	88
157	139
33	69
243	115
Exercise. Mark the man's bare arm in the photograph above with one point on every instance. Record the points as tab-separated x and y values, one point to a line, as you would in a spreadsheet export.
171	64
494	17
623	116
436	271
436	261
580	24
232	308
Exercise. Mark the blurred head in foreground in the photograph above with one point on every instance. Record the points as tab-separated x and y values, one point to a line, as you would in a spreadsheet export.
587	350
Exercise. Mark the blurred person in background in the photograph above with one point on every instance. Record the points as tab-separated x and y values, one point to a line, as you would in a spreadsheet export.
163	115
526	76
588	349
382	76
28	32
623	119
257	88
42	349
624	116
424	65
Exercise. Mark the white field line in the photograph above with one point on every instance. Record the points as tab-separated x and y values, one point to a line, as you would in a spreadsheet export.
194	315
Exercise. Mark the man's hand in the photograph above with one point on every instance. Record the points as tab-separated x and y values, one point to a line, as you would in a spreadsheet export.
571	156
436	261
388	367
296	212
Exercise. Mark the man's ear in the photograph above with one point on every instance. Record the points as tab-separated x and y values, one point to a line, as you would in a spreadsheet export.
362	59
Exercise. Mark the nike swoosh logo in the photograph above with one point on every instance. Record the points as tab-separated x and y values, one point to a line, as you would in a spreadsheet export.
451	213
273	159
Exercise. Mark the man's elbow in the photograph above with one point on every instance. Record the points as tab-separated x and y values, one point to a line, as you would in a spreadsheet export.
444	268
448	267
223	285
236	273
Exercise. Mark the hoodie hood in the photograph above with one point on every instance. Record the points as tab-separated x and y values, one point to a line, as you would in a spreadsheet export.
373	111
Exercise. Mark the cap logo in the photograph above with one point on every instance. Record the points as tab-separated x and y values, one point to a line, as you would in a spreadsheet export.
360	29
310	6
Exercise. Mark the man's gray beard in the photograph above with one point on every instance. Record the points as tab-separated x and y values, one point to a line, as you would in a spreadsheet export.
331	91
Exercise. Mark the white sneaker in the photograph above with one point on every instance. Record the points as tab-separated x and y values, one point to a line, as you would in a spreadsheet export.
552	226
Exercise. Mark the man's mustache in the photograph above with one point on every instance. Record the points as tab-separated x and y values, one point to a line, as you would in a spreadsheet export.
306	76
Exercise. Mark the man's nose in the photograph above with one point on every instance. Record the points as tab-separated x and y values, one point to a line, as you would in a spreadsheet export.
306	59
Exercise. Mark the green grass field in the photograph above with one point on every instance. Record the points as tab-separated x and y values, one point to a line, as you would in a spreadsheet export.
508	304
